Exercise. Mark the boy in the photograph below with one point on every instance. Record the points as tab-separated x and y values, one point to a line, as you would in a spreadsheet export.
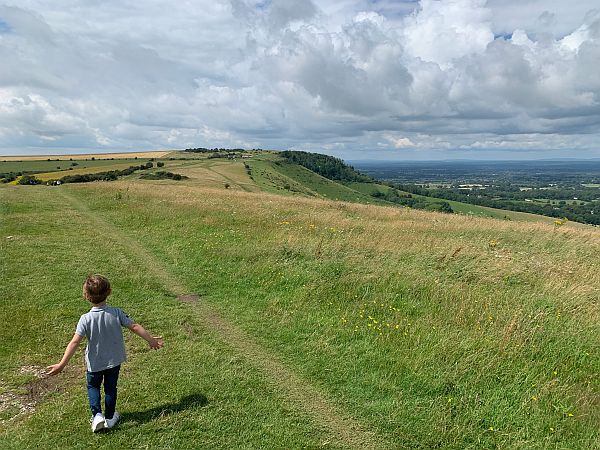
105	350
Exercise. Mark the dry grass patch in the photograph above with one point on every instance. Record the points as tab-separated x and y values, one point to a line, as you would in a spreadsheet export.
431	247
80	156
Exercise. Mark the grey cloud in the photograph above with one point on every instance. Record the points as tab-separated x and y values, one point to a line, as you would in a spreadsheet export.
345	76
547	20
26	23
510	15
282	12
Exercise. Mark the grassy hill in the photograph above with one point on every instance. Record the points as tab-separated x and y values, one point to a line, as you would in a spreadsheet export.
297	321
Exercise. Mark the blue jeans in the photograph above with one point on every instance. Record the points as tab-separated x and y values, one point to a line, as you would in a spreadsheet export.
94	380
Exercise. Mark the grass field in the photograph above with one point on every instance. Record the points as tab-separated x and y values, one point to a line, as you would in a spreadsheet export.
273	177
45	176
63	165
278	177
266	173
317	323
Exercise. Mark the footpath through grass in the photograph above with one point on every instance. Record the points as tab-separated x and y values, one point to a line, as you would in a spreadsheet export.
430	330
197	391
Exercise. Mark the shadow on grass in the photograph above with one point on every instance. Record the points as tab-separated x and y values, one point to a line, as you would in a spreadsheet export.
188	402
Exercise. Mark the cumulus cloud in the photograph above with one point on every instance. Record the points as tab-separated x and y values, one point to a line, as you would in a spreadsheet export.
442	32
399	141
354	78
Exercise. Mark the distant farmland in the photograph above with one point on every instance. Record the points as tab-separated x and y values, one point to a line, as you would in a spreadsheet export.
75	157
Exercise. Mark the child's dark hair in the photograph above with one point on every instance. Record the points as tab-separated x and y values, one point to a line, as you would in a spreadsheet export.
96	288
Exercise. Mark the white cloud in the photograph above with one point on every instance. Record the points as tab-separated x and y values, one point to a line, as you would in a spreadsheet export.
443	31
399	141
344	76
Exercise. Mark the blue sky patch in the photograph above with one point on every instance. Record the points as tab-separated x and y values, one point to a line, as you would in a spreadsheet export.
4	27
505	36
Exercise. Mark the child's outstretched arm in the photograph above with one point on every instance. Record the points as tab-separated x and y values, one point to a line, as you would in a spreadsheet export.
69	351
155	342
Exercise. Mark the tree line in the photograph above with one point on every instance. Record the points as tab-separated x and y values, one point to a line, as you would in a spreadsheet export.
577	211
220	150
110	175
325	165
336	169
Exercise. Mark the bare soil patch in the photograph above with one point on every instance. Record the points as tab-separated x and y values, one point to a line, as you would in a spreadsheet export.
189	298
15	404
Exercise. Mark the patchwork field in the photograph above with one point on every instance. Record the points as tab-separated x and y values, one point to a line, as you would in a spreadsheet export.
294	321
80	156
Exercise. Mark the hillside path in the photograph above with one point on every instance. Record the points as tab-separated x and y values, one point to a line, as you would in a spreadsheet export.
344	430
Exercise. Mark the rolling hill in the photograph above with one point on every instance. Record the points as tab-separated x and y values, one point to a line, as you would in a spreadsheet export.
298	311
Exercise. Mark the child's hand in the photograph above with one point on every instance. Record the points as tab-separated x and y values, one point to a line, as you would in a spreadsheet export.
156	342
54	369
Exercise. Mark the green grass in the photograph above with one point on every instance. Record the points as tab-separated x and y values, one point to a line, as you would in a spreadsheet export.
46	176
64	165
195	390
267	173
495	346
277	176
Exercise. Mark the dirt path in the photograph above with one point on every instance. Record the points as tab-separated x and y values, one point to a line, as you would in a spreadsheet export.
292	387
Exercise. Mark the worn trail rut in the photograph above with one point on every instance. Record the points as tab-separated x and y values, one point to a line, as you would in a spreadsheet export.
342	428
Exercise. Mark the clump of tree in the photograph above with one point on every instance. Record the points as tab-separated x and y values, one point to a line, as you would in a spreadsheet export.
406	199
494	197
219	150
326	166
28	179
162	175
443	207
110	175
248	171
160	164
7	177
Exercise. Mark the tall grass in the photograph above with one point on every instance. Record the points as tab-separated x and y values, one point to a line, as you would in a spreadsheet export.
431	330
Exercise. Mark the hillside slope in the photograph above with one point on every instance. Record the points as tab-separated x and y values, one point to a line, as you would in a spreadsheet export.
273	174
317	323
262	171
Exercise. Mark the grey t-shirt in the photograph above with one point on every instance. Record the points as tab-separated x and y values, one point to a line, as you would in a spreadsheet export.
102	327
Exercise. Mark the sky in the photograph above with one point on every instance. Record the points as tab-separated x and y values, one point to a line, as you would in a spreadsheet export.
358	79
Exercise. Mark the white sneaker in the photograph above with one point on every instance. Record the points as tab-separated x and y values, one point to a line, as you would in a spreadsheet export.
112	422
98	423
